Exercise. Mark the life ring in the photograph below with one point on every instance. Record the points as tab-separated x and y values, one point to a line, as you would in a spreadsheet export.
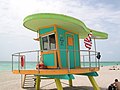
22	61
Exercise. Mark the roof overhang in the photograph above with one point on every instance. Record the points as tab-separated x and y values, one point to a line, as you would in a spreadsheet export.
37	21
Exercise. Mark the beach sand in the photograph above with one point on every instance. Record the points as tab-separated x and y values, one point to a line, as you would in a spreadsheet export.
9	81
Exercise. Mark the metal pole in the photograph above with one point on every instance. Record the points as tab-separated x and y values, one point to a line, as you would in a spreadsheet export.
68	62
19	63
95	52
12	62
24	62
89	58
83	61
98	62
38	60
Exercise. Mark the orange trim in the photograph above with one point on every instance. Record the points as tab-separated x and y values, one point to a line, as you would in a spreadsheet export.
46	33
36	39
57	47
70	41
54	25
57	71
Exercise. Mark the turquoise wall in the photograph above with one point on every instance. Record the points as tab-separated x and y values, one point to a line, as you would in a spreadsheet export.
71	53
62	41
76	48
45	30
49	59
62	46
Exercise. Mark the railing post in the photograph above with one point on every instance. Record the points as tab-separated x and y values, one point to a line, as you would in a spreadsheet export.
68	62
98	62
24	62
12	62
95	52
19	62
83	60
38	61
89	58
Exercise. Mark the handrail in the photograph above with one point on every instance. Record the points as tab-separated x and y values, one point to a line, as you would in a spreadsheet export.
84	54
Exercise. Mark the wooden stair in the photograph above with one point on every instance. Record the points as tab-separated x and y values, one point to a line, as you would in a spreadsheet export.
28	81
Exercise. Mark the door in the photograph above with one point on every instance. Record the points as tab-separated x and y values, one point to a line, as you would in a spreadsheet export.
70	52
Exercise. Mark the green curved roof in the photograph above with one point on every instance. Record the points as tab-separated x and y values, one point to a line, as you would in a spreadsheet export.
37	21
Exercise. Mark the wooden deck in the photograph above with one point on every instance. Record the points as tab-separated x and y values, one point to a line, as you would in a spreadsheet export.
57	71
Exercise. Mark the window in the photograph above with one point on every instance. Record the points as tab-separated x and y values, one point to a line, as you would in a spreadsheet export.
45	43
52	41
48	42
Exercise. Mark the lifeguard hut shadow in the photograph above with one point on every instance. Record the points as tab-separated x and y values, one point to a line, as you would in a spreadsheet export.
71	88
58	36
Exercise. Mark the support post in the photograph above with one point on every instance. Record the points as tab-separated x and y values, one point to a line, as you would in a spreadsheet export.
70	83
37	82
58	84
92	80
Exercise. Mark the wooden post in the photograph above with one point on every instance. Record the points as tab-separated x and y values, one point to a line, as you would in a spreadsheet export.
58	84
70	83
92	80
37	82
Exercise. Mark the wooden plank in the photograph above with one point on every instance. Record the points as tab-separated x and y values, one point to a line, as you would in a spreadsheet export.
56	71
83	70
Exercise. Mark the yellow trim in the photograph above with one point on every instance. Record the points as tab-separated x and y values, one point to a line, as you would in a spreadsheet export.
58	84
93	82
37	82
70	83
55	59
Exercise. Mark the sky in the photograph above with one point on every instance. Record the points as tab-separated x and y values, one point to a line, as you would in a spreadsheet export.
100	15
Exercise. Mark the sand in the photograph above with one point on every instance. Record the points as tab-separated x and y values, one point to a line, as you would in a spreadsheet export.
9	81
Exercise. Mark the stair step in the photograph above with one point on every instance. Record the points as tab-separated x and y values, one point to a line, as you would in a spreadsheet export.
29	81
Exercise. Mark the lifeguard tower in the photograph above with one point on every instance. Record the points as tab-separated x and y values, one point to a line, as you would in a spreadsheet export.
59	38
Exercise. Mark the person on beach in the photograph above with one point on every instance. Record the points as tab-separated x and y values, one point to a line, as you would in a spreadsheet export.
117	84
112	87
98	55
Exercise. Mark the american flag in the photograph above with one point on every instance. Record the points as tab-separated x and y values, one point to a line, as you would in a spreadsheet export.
88	41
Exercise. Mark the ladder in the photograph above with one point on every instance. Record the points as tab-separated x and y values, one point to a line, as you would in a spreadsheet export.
28	81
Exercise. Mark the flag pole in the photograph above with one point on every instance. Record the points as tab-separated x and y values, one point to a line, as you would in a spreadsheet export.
89	58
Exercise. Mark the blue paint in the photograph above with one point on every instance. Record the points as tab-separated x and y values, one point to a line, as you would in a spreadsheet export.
49	59
76	50
46	30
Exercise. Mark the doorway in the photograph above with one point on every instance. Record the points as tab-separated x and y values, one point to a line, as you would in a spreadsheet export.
70	50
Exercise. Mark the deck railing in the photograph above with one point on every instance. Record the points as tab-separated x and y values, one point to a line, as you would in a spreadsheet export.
88	59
